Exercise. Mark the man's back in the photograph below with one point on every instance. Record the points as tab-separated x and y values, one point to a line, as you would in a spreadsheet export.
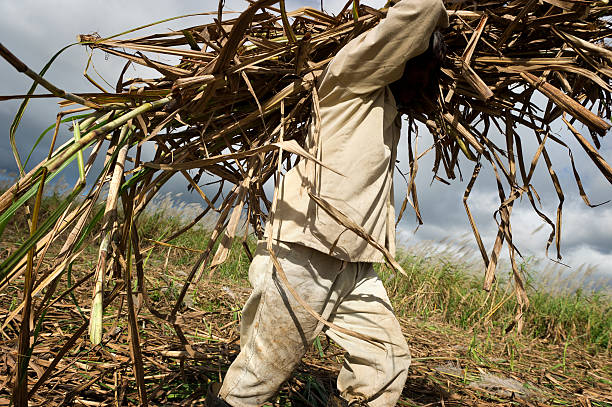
354	131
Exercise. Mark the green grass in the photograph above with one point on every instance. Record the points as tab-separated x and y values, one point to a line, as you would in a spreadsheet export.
445	291
159	223
435	290
449	292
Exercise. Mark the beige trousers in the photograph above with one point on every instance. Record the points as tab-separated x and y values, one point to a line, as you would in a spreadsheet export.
276	331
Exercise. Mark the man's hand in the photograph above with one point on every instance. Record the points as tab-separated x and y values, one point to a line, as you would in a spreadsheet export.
417	90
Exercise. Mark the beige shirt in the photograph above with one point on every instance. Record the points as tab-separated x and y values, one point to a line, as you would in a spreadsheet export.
359	132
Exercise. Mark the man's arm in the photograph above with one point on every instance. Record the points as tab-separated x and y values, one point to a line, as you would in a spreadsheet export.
377	58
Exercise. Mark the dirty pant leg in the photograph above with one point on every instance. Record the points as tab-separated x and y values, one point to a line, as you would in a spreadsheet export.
374	372
275	330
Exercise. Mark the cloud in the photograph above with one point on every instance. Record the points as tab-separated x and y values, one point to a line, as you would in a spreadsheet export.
586	233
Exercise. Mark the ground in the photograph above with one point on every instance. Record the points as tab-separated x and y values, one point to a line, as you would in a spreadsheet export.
451	365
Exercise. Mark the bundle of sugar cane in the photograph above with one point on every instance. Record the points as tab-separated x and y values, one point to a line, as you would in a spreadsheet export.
243	82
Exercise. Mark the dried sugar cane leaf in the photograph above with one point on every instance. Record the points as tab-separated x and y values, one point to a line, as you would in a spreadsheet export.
160	126
414	202
553	230
260	59
143	125
173	71
574	108
510	149
597	159
264	43
460	128
70	343
586	57
24	347
560	195
200	264
142	288
220	14
236	35
501	232
286	25
268	107
141	47
473	42
410	185
271	217
527	187
403	207
315	146
134	336
471	77
475	232
10	267
491	267
437	149
566	68
468	73
44	283
520	292
516	194
516	21
535	159
345	221
589	46
577	178
283	277
200	80
197	188
67	249
492	152
302	57
252	92
230	231
567	5
406	200
313	13
290	145
58	229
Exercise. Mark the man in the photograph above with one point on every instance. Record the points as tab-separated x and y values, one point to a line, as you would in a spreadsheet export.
329	266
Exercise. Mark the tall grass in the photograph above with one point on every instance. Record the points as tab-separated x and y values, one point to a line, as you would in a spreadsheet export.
450	292
436	289
167	215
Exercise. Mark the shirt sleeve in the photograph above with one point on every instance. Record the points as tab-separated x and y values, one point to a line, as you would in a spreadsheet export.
376	58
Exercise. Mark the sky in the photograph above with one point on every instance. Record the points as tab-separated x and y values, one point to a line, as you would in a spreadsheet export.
34	30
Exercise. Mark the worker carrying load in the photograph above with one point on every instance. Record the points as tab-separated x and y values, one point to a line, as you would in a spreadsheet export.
354	133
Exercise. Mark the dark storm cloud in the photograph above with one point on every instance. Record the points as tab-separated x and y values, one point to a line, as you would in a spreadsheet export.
586	232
